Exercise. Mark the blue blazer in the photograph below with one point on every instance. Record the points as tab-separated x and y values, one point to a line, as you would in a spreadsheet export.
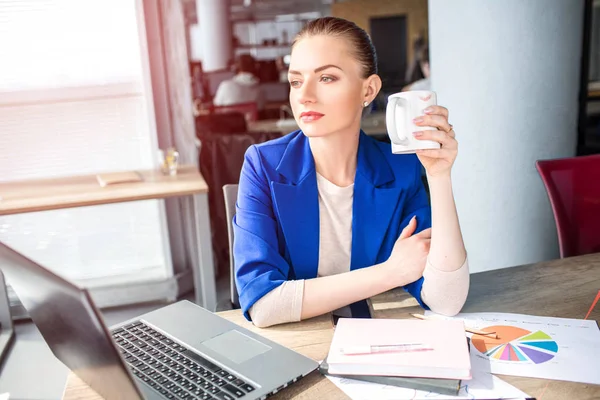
276	226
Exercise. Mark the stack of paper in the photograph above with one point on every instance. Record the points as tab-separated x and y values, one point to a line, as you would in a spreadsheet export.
435	364
537	347
481	386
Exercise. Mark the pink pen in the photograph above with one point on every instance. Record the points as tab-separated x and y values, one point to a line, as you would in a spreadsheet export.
385	348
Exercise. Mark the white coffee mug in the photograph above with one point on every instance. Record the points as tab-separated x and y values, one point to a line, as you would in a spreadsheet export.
402	108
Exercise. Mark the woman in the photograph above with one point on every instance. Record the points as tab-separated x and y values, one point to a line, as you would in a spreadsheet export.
327	216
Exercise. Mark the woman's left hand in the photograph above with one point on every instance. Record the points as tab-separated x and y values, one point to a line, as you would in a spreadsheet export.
437	162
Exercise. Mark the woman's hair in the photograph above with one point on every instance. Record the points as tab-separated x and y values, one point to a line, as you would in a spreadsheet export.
414	71
424	54
360	43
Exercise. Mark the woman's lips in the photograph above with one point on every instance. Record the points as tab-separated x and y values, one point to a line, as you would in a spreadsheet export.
310	116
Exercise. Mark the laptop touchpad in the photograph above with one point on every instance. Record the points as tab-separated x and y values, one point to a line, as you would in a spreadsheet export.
236	346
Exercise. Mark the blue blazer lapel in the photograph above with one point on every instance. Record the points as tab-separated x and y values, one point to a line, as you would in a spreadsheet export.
374	204
297	207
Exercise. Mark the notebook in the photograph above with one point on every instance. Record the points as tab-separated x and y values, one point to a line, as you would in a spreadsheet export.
112	178
449	387
448	359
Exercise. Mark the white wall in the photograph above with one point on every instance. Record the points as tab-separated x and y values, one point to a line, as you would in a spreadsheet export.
508	71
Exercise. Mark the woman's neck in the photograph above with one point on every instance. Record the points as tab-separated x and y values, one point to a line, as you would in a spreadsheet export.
335	156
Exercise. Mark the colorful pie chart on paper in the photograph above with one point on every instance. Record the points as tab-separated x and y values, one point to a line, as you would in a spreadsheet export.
516	345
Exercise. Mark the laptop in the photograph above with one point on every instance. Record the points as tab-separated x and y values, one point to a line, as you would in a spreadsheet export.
180	351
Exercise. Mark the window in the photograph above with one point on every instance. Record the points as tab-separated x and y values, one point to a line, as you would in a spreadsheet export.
75	98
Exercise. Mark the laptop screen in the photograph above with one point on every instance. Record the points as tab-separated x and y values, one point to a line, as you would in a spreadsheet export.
70	324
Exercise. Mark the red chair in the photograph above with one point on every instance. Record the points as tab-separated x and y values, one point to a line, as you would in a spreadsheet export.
573	186
250	110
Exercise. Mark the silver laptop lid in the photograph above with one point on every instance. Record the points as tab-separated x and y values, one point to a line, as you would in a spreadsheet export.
70	324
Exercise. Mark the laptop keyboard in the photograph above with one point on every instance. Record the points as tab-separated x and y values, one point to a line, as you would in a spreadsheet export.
173	370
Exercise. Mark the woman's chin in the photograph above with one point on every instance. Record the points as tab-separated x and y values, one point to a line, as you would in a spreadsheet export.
315	131
312	130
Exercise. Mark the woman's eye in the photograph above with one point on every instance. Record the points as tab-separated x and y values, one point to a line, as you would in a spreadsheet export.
295	83
327	79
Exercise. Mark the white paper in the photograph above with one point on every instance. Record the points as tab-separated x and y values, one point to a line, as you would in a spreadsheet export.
560	349
4	396
482	386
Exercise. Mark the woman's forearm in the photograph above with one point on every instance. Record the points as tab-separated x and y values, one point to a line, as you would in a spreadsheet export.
447	252
328	293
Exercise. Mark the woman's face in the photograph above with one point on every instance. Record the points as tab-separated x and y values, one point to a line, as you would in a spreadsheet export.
326	88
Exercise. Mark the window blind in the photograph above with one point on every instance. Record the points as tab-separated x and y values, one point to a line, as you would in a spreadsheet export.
75	98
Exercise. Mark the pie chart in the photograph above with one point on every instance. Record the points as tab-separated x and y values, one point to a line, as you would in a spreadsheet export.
516	345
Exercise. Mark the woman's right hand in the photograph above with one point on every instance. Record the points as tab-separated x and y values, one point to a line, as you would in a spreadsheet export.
409	255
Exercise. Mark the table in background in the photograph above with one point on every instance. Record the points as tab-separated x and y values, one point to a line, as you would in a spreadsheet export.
78	191
559	288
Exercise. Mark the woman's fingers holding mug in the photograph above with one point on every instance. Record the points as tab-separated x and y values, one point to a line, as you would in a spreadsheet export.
441	137
443	111
436	153
436	121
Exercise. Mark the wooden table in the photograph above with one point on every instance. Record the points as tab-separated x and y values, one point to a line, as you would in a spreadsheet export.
78	191
559	288
372	124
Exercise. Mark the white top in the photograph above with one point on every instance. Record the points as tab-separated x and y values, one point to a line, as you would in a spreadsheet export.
335	228
242	88
444	291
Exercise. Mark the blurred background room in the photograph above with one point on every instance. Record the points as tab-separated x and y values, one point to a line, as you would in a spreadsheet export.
89	87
